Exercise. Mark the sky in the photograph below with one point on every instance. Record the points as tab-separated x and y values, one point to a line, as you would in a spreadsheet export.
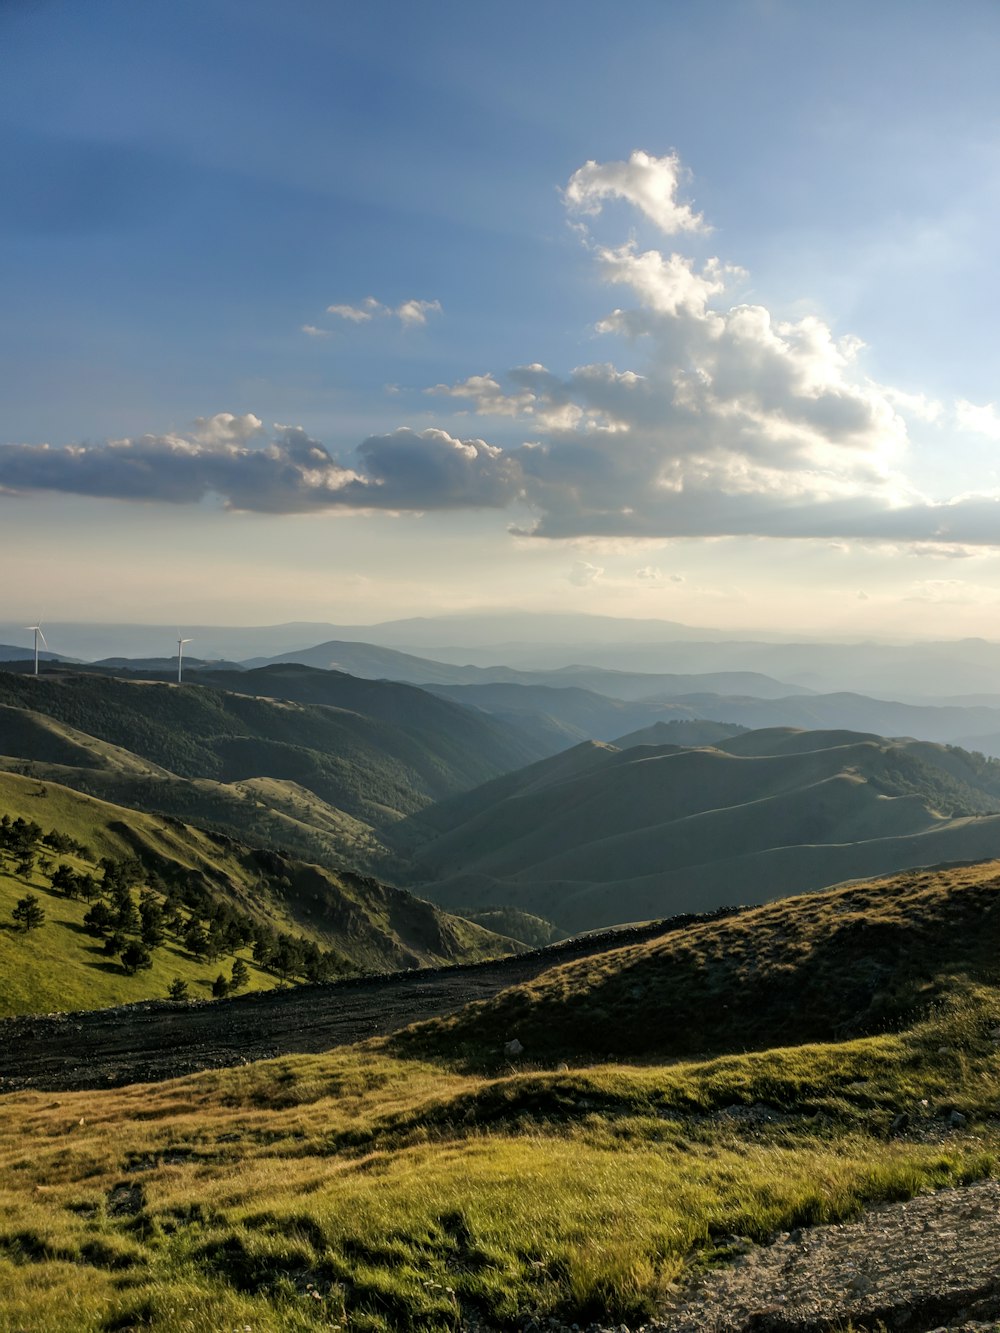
343	312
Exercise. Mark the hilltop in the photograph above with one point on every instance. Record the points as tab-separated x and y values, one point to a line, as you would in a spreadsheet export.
597	834
306	760
818	967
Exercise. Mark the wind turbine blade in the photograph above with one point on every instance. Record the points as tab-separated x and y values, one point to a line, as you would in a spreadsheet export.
42	636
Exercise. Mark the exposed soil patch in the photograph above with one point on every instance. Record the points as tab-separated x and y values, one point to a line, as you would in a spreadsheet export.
151	1041
928	1264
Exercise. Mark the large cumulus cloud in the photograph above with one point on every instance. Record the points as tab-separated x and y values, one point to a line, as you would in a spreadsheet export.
289	473
725	420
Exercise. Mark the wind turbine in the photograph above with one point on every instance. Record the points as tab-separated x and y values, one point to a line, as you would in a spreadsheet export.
180	654
38	635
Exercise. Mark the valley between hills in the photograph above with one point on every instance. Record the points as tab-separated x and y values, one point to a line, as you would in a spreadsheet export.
329	999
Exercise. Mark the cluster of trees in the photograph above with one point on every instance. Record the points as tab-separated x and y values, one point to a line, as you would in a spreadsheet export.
134	911
24	842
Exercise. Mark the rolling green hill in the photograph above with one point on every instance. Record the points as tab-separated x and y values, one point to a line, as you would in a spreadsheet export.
598	835
356	923
303	760
818	967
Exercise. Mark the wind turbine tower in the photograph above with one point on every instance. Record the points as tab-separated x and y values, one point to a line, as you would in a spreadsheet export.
38	635
180	655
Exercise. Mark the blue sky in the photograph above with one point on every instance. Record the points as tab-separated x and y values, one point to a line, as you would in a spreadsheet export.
191	186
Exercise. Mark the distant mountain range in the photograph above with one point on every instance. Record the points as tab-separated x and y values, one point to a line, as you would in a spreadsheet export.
375	663
599	835
543	642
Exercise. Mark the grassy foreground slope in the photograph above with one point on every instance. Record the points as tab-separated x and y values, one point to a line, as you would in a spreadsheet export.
357	922
413	1185
857	959
598	835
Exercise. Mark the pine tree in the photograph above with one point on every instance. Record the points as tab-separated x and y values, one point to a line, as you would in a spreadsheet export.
28	913
178	990
241	974
134	957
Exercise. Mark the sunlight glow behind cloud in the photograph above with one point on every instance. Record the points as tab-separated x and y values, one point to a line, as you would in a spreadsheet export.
732	422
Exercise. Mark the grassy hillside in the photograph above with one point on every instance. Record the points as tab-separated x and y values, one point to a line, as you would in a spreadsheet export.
432	1181
817	967
598	835
354	923
274	812
376	765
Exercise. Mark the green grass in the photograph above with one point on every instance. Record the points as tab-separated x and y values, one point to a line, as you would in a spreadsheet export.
60	967
863	958
409	1183
361	1190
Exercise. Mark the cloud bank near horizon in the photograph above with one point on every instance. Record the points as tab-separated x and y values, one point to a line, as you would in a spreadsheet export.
733	422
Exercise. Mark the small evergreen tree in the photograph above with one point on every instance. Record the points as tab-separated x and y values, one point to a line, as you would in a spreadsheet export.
195	939
241	974
98	921
220	987
136	956
178	990
28	913
64	879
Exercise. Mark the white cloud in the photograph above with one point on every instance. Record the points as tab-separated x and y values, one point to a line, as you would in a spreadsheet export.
917	405
314	332
357	314
653	575
984	420
649	183
225	428
731	422
411	314
583	573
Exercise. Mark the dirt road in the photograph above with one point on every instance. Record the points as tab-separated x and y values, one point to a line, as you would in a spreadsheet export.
157	1040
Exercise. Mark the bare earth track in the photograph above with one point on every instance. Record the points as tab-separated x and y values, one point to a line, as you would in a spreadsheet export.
143	1043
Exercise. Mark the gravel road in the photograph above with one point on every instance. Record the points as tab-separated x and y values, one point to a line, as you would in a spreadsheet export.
146	1042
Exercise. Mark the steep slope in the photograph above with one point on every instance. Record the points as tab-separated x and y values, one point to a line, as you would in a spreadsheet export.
356	922
406	750
599	836
818	967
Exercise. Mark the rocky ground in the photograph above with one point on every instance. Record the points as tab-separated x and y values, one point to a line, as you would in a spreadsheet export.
925	1266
